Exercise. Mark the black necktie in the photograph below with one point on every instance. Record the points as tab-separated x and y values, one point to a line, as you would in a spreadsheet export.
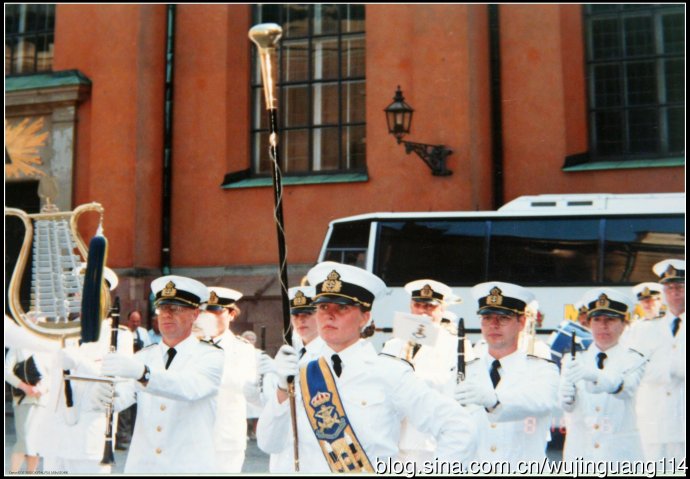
675	326
495	377
302	352
415	349
171	356
337	365
600	360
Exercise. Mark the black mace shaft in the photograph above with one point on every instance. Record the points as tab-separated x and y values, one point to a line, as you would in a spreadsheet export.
266	36
280	228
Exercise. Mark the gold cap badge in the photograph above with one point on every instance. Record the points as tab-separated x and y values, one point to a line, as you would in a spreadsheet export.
213	298
495	297
670	272
169	291
426	292
603	301
300	299
332	283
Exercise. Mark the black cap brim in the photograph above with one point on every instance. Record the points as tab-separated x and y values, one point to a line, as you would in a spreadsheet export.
164	301
606	312
307	310
506	312
335	300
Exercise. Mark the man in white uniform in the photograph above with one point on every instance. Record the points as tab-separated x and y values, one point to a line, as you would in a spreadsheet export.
436	365
230	435
175	384
350	403
661	396
598	387
517	392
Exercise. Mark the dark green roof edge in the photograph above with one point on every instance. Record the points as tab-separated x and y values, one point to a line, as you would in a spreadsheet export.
628	164
299	180
38	81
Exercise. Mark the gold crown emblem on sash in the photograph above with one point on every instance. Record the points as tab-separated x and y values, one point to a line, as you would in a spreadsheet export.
169	291
332	283
495	297
670	272
213	298
603	301
320	398
300	299
426	292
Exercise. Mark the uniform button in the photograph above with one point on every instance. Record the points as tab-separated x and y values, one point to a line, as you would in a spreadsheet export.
668	393
158	450
163	407
493	448
596	445
493	425
597	409
596	427
364	403
159	429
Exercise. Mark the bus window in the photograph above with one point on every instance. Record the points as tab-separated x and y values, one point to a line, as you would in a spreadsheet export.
544	251
348	243
634	244
449	251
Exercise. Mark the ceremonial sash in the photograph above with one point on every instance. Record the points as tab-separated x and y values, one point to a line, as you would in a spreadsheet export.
327	418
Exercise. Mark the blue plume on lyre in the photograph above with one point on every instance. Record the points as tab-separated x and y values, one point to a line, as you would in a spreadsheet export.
91	305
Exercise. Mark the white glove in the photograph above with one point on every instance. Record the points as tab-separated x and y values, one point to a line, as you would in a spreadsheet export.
566	392
265	364
476	391
286	365
601	381
572	370
69	358
119	365
102	395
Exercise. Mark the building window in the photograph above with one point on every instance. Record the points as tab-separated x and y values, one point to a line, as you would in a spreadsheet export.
321	81
636	80
29	37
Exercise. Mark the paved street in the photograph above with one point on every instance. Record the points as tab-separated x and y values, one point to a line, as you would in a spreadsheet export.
255	460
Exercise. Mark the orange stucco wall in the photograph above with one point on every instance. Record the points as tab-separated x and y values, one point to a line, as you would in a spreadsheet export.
544	108
439	56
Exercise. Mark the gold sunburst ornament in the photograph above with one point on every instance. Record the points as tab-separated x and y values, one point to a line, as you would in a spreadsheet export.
23	143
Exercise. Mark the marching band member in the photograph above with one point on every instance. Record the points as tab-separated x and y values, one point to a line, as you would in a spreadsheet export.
350	401
74	438
230	434
175	384
436	365
303	322
661	397
517	391
597	390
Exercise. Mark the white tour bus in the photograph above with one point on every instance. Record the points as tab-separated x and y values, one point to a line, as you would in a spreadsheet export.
558	246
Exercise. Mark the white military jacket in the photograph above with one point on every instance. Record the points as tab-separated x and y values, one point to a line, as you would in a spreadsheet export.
284	461
230	432
519	428
660	403
436	366
377	392
176	410
602	426
78	433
